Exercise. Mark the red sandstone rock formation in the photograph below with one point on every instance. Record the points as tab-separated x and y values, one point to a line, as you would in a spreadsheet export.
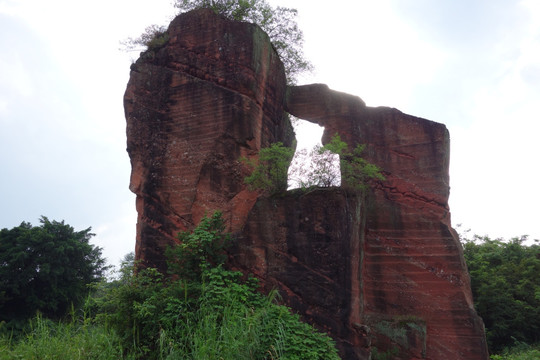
212	94
413	287
383	270
309	246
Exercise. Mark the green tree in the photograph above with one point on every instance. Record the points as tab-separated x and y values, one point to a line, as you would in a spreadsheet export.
318	167
355	170
333	165
46	268
270	169
278	22
505	283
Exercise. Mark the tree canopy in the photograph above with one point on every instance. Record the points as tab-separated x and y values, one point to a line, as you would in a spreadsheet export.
505	283
278	22
269	171
46	268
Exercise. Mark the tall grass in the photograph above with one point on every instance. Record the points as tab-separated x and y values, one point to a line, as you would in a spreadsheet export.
62	341
231	332
520	351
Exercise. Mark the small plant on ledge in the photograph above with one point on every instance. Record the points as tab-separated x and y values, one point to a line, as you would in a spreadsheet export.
332	165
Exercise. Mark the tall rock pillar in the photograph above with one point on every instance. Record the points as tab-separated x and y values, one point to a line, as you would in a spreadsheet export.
211	94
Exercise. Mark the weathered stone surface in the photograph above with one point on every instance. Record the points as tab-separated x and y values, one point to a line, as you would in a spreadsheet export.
413	275
212	94
309	246
383	270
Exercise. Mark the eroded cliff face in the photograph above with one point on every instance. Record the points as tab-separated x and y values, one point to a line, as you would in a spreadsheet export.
382	269
416	295
309	246
212	94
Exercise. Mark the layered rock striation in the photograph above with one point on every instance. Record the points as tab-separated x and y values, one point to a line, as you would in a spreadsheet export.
415	290
381	269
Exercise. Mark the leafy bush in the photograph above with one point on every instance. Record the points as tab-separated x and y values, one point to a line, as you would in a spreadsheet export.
203	311
519	351
270	171
334	164
318	167
197	250
152	38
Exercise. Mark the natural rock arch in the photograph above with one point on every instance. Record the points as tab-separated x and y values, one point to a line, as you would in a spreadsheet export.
216	91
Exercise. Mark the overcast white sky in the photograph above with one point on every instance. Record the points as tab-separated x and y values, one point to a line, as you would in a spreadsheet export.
473	65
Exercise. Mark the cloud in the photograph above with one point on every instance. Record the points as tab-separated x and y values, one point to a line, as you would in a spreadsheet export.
494	152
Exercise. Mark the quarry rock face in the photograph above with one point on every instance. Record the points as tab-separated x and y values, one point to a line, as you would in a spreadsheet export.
381	271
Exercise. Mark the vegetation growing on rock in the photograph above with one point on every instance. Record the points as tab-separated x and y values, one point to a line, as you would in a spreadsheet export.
335	164
332	165
269	170
278	22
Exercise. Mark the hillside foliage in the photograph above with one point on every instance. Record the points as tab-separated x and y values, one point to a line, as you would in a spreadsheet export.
505	283
202	310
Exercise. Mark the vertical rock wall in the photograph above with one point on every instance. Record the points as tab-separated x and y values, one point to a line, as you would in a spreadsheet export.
309	247
416	294
213	93
385	270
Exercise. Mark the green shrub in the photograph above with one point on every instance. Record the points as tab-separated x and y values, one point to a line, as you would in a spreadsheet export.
519	351
355	170
153	38
204	311
270	170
